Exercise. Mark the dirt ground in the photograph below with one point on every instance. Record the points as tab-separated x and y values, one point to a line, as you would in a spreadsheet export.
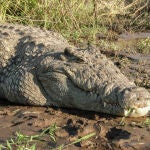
111	134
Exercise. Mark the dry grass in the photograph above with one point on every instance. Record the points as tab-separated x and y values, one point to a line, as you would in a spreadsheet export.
78	19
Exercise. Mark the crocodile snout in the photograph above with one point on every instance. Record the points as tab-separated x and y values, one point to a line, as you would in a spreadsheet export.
138	102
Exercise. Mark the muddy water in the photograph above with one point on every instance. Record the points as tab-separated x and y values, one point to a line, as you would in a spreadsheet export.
130	36
111	132
128	41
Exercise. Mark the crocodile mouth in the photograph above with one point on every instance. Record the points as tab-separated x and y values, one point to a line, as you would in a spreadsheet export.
138	112
137	101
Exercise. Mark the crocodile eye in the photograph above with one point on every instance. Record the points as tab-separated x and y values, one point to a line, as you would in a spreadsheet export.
73	55
68	51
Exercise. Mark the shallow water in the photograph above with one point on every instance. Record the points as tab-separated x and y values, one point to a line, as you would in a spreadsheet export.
128	41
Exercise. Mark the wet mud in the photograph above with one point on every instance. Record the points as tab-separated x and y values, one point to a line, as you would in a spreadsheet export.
111	133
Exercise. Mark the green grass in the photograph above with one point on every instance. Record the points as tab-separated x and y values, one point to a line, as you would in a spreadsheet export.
22	142
77	19
147	121
108	45
143	46
86	137
122	122
26	142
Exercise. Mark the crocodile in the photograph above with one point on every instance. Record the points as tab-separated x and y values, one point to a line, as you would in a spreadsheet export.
40	68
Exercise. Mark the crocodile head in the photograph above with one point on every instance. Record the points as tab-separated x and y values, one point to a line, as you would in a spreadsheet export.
87	80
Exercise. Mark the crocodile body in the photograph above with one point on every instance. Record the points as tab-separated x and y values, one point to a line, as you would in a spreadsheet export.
39	67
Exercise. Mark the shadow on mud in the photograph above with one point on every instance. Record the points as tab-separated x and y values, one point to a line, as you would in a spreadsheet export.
117	134
86	114
70	111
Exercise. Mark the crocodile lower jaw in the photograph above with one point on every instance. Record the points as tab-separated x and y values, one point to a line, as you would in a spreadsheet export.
138	112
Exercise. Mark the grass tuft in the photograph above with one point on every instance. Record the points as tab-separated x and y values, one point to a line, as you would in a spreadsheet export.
26	142
22	142
143	46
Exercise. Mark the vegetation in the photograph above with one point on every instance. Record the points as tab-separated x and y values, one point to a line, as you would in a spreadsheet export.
144	46
25	142
21	141
143	124
78	19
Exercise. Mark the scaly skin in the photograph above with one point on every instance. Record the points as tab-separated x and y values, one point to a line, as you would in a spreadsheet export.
39	67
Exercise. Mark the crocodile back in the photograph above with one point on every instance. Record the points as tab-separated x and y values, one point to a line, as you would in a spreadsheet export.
13	38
